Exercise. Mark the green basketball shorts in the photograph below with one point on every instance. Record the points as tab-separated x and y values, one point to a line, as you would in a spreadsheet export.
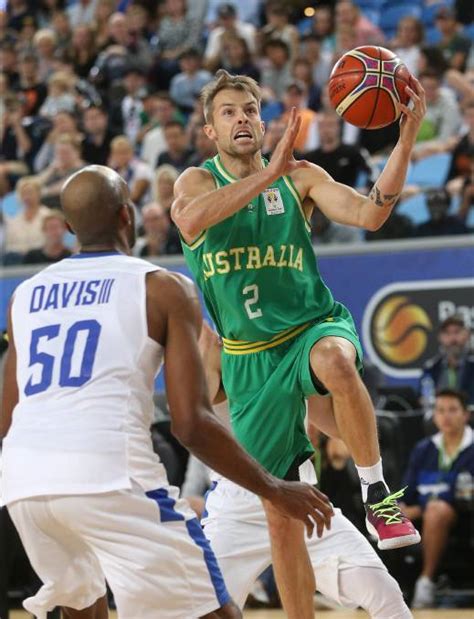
267	383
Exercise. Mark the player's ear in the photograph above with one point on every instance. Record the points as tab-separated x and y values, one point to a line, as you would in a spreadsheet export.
210	131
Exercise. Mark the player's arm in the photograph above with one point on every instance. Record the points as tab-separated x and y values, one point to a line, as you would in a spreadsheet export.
10	386
211	350
198	205
343	204
175	320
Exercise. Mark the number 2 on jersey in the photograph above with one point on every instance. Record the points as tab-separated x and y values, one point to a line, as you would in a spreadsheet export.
69	357
255	312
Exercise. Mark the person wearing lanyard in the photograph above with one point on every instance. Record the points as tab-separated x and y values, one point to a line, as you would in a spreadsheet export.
438	466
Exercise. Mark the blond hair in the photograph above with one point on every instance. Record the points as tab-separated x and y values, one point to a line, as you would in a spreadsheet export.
224	81
23	182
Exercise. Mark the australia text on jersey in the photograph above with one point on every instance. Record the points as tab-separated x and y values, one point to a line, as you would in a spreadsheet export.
70	294
252	257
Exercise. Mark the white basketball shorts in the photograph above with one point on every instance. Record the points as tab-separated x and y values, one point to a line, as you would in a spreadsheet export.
347	568
149	546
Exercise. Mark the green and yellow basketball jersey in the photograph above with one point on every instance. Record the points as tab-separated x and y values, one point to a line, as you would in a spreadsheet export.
257	269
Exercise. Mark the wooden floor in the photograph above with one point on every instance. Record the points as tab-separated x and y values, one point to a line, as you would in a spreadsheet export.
327	614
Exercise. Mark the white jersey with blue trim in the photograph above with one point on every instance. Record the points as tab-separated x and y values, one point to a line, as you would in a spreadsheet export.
85	372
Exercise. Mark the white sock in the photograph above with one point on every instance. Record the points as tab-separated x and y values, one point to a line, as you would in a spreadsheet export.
370	475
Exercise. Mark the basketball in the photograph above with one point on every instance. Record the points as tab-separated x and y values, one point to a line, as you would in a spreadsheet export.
366	84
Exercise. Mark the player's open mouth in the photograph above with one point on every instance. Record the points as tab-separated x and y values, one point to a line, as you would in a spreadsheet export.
243	135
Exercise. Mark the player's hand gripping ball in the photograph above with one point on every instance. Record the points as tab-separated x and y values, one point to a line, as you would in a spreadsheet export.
367	84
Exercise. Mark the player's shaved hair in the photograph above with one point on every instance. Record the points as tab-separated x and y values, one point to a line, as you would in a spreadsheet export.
91	199
226	81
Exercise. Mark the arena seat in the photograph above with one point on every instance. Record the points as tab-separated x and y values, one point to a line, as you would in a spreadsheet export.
429	172
414	208
429	10
393	13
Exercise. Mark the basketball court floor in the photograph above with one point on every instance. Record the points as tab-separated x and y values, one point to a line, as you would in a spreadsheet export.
326	614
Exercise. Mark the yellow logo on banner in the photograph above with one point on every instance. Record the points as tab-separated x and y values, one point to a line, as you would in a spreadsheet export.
400	330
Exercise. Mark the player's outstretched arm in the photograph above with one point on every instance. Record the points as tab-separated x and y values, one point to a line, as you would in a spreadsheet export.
10	386
343	204
198	205
193	422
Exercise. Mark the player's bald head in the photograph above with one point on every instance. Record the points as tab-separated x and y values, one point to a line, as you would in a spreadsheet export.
91	200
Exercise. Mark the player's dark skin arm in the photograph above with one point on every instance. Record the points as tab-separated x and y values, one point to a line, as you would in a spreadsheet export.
10	387
174	320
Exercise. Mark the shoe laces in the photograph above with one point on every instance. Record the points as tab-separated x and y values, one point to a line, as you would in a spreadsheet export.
388	508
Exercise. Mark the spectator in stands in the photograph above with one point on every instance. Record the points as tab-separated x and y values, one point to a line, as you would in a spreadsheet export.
236	58
454	45
186	87
136	173
349	15
81	12
322	27
440	222
453	366
408	41
433	491
53	249
31	90
19	12
178	152
103	11
62	28
156	225
63	123
127	116
24	231
203	147
83	52
97	135
163	193
136	48
162	111
460	167
344	162
66	161
276	73
178	31
60	95
321	60
44	43
296	95
303	72
278	26
273	134
228	25
15	144
8	62
442	120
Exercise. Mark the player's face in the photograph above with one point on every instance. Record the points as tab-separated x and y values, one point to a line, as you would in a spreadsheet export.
449	415
236	127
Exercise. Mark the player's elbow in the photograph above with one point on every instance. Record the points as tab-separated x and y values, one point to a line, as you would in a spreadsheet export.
184	218
186	433
373	225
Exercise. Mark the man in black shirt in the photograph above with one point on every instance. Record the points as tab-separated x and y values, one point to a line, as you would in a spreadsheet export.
343	162
440	223
53	250
96	143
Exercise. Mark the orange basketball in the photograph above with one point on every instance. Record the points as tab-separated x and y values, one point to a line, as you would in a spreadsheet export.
366	84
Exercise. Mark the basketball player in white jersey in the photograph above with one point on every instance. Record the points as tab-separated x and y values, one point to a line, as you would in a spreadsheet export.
347	569
82	485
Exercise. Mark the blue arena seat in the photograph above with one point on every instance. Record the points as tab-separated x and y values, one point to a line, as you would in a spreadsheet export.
429	172
393	13
414	208
429	10
10	205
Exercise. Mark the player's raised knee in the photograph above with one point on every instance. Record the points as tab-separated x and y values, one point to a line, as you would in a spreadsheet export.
333	362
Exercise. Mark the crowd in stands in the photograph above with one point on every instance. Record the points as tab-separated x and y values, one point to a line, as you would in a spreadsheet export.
117	82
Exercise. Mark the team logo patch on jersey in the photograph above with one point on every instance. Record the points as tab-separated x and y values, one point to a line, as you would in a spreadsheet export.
273	202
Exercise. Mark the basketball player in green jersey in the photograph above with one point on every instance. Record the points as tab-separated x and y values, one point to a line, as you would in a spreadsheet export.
245	228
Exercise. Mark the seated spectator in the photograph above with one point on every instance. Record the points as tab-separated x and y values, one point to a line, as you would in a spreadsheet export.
349	15
440	222
83	52
407	42
104	9
156	225
24	231
60	95
136	173
432	492
228	25
62	28
162	110
62	123
19	11
278	26
460	167
178	152
44	43
273	134
321	60
32	91
303	72
237	59
203	147
276	72
344	162
81	12
53	249
15	145
186	87
66	161
322	27
163	192
97	135
453	366
442	120
296	96
454	45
